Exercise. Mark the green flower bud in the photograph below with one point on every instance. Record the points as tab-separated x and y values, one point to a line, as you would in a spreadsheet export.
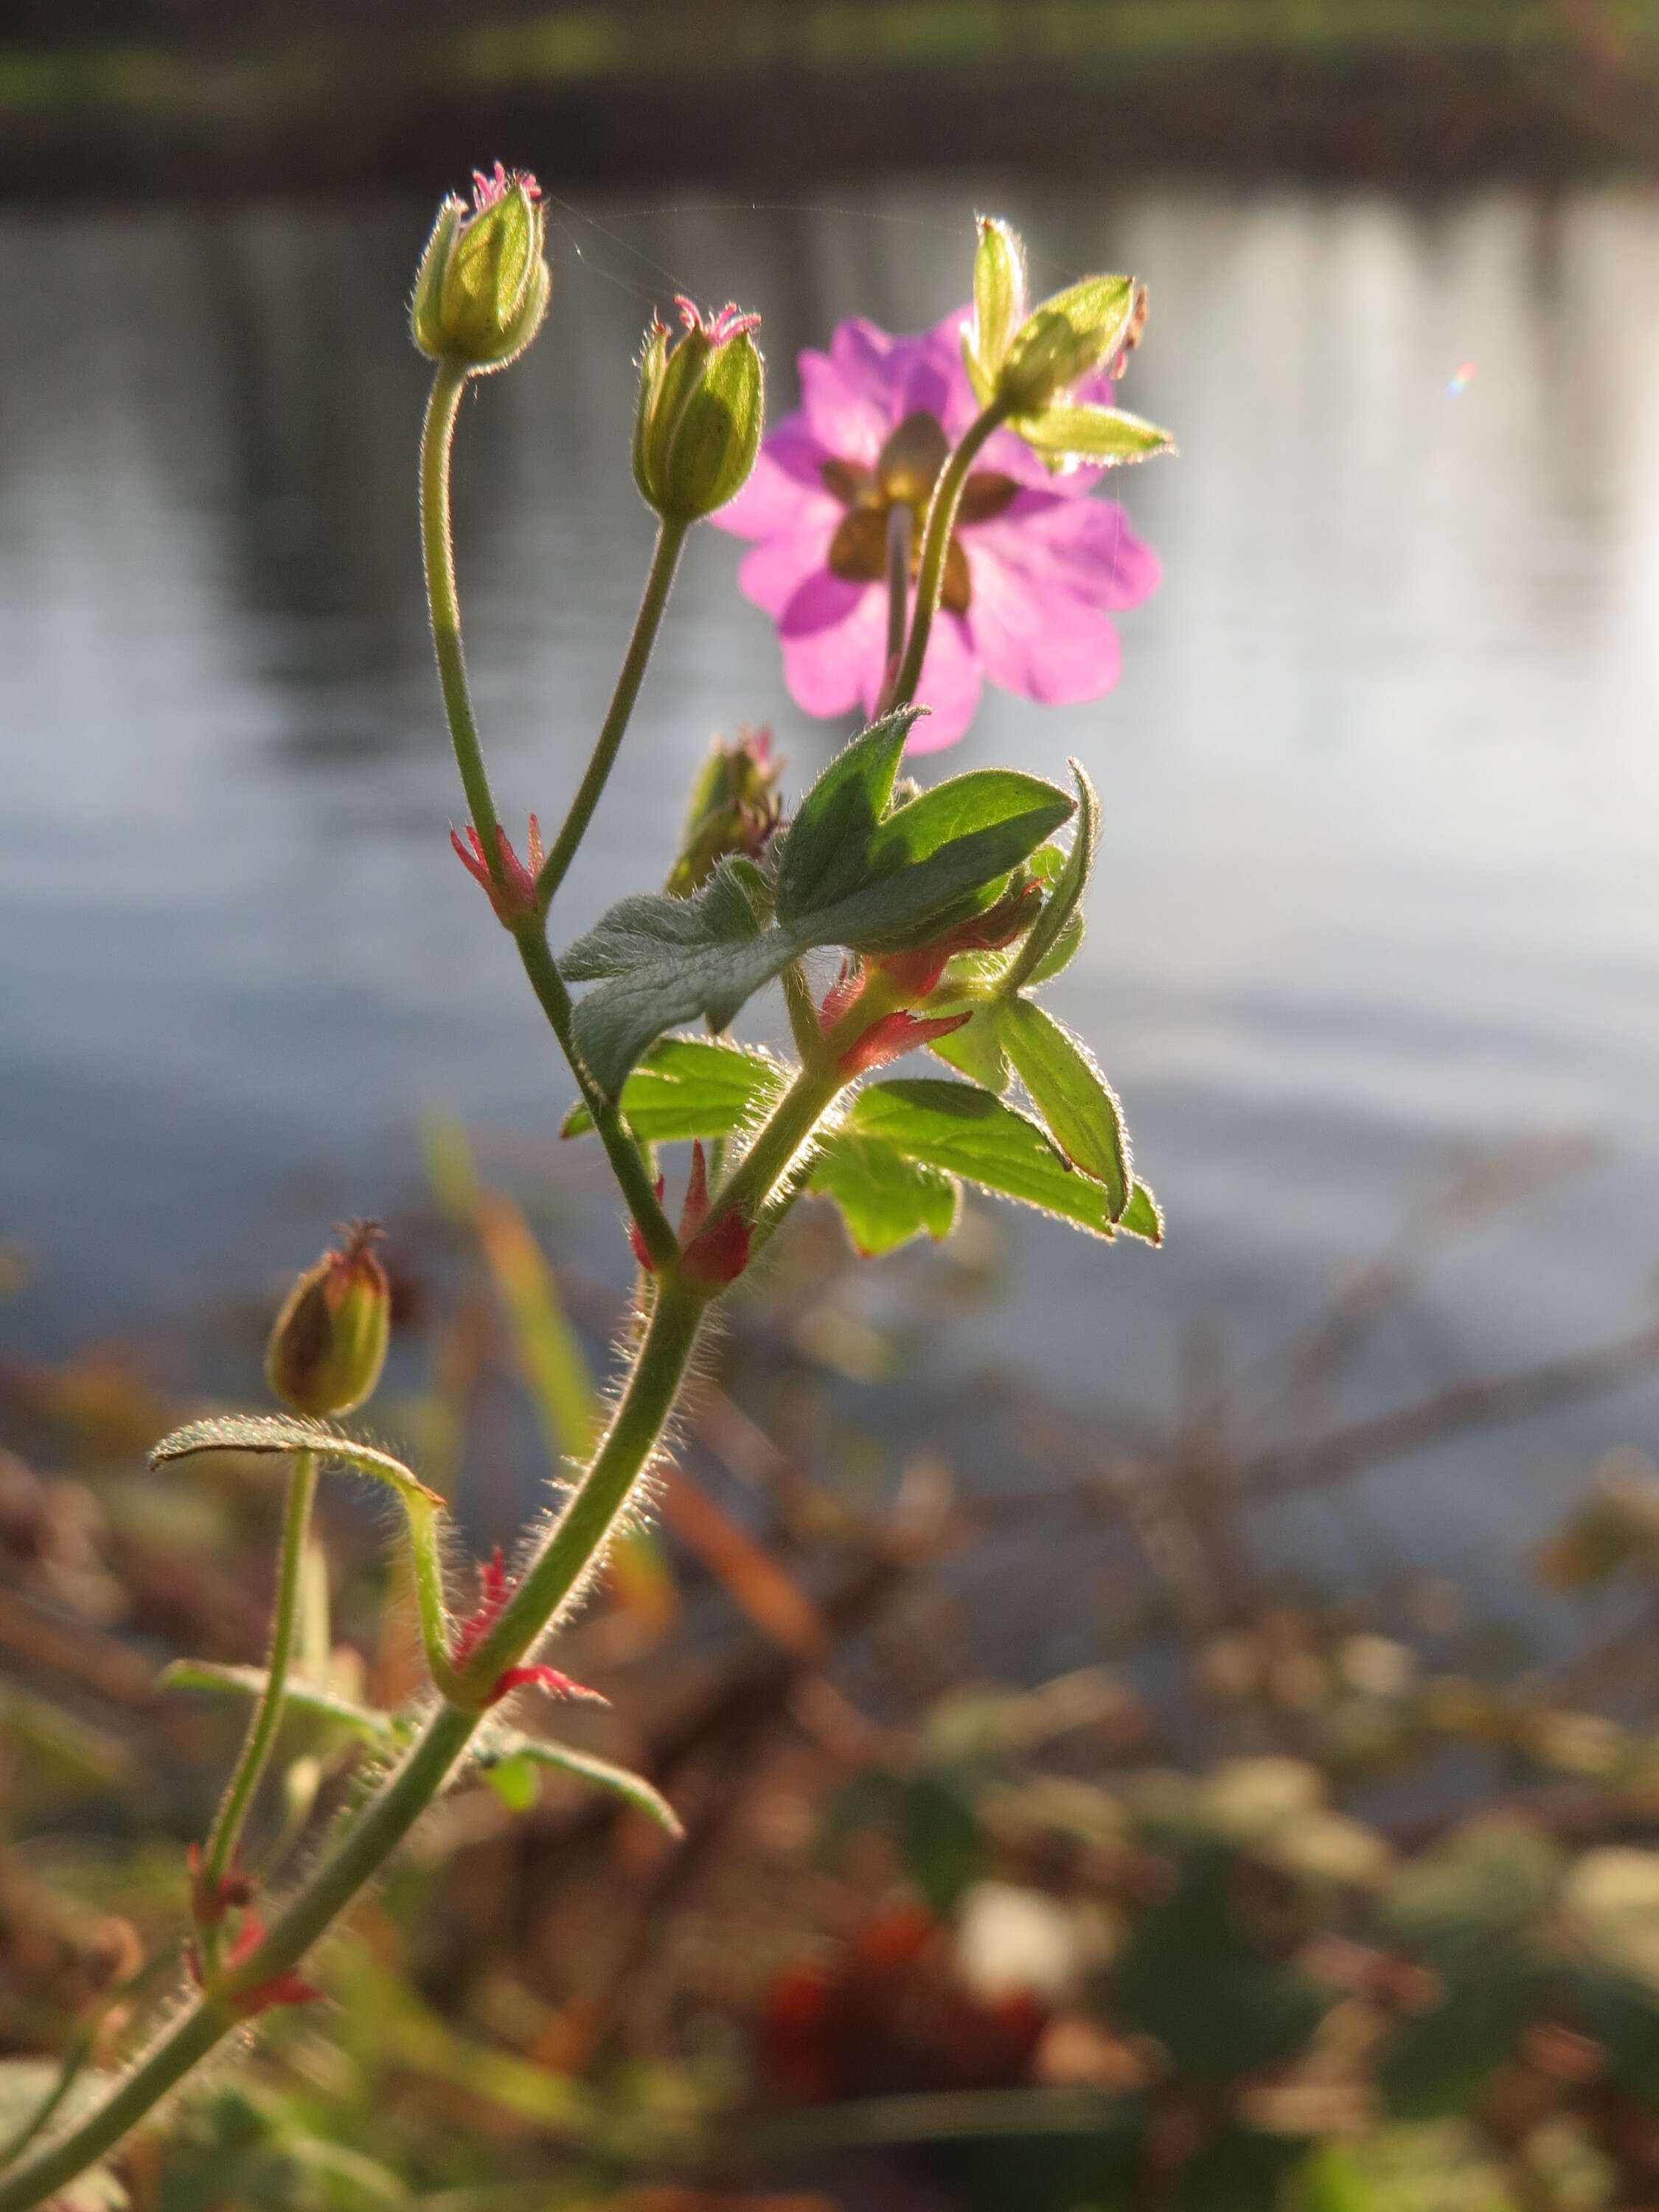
328	1346
734	807
482	285
702	401
1028	358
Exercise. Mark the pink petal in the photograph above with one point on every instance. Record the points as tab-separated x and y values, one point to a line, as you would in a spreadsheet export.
851	415
774	571
1045	649
950	683
1087	547
820	602
785	487
828	671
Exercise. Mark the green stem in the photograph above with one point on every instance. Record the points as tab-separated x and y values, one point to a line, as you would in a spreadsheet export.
670	540
623	1153
547	984
438	545
427	1568
936	542
220	1854
566	1555
780	1138
578	1538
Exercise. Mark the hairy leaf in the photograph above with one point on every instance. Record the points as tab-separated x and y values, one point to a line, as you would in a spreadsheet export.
823	853
883	1197
638	1792
968	1133
375	1728
288	1433
692	1087
660	960
1073	1096
1069	433
1063	911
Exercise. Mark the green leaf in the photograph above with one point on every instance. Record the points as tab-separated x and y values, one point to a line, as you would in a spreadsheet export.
1073	431
884	1198
822	854
979	1047
962	835
375	1728
622	1783
1143	1216
660	960
1073	1096
664	961
513	1779
1061	953
1063	906
966	1132
692	1087
288	1433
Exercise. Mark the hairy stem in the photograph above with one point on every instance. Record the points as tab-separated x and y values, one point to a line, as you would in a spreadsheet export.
528	931
936	542
570	1549
220	1854
779	1139
670	540
577	1539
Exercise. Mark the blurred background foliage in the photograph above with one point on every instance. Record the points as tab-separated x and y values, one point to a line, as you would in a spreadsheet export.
1299	1897
168	93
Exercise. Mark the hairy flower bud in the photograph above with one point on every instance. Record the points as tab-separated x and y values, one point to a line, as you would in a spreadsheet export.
1076	332
328	1346
734	807
698	427
482	285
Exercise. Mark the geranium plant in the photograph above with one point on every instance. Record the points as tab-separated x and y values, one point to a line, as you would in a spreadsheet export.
923	516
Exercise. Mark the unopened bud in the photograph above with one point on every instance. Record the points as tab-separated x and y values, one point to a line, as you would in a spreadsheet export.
1076	332
734	807
328	1346
701	400
482	285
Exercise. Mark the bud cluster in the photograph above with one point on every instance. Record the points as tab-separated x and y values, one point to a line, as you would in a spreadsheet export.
735	806
1027	362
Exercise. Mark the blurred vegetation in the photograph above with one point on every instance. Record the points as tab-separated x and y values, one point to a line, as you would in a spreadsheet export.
1315	1900
178	94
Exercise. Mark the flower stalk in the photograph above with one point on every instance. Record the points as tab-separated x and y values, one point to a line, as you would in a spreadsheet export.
220	1855
936	542
529	930
659	580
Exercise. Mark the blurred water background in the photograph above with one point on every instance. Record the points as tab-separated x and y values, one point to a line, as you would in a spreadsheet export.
1380	780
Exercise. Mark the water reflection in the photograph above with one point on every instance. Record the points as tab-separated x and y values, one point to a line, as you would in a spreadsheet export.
1380	778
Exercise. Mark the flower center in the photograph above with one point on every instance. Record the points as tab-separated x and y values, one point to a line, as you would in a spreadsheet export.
907	469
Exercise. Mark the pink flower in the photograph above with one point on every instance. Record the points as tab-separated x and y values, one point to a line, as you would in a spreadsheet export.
728	322
486	190
1034	568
